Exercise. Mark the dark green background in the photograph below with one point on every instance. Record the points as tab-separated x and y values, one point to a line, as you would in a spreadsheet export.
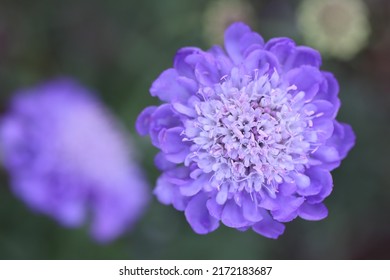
117	48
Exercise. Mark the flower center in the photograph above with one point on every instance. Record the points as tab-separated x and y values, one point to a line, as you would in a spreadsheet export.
250	130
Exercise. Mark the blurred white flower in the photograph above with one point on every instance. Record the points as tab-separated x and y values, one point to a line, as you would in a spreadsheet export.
338	28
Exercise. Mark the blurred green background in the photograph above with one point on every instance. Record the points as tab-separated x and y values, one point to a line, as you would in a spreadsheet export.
118	47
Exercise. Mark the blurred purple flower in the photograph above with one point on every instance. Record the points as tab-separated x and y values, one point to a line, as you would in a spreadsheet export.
247	136
68	158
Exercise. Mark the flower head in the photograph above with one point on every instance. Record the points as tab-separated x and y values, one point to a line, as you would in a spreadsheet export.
248	136
68	158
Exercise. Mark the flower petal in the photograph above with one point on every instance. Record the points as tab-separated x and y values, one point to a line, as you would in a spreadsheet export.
323	108
250	209
288	210
319	179
327	154
304	56
329	90
306	79
198	216
238	37
167	193
313	212
167	88
223	62
222	195
232	40
183	68
164	190
269	227
214	208
232	215
205	68
323	179
343	138
282	48
171	140
258	59
194	186
162	117
251	41
162	163
287	188
323	127
143	121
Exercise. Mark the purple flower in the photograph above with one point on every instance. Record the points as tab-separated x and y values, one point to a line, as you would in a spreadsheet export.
248	136
68	158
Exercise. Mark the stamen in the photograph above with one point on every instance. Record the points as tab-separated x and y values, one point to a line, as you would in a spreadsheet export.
253	129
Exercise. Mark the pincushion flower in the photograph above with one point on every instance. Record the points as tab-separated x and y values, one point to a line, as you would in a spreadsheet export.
247	135
68	158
